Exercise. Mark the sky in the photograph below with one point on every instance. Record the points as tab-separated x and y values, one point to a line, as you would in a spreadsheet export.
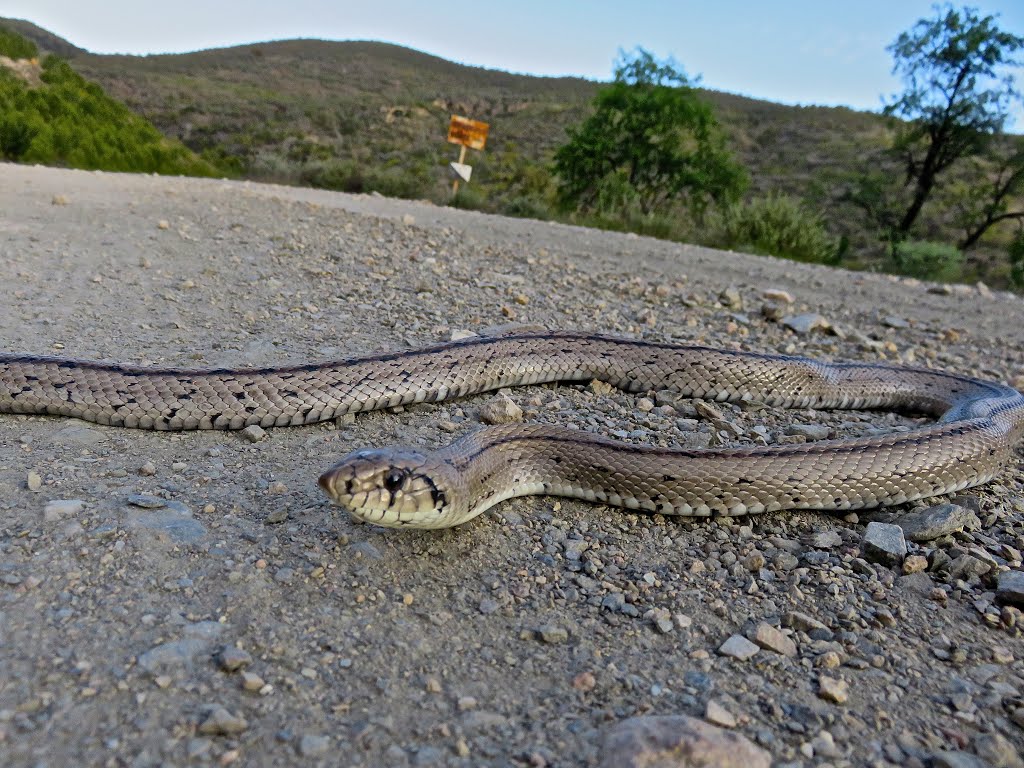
792	51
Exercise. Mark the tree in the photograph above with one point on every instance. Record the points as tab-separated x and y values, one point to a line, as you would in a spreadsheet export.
987	203
957	95
650	142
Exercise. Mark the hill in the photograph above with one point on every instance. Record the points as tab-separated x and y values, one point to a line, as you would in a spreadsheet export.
368	116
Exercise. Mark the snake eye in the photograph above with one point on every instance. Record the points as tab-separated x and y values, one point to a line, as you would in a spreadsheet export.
393	480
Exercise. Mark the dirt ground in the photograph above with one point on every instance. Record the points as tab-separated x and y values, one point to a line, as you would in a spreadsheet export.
192	598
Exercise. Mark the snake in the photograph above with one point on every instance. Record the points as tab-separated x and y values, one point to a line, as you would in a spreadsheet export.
976	425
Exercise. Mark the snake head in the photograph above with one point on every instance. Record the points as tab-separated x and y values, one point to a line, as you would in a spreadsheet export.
394	488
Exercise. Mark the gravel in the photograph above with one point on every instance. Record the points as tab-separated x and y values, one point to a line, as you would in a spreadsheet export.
167	598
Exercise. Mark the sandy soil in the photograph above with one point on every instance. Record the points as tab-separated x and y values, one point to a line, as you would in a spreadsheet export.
192	598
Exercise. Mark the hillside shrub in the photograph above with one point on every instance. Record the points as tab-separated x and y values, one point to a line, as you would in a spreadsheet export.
925	260
779	226
71	122
14	46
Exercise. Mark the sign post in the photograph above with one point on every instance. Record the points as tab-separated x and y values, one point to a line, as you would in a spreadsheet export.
471	134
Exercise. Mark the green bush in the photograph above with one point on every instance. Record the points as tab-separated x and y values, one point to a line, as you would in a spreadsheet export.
469	198
777	225
14	46
339	176
925	260
72	122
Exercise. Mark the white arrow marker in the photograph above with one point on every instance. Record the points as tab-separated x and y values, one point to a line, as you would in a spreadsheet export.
462	170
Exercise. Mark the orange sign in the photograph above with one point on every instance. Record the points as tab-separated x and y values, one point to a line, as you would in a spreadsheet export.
468	133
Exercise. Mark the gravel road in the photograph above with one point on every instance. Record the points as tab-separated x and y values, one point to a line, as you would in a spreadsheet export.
171	599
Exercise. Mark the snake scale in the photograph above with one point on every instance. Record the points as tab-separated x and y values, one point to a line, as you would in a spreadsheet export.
978	424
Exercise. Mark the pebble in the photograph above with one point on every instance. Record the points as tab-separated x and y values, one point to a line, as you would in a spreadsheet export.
806	323
148	469
915	564
940	520
777	294
810	431
826	540
33	481
957	759
220	722
174	519
716	714
500	410
232	659
61	509
254	433
553	634
773	639
313	745
833	689
996	750
678	741
884	543
738	647
252	682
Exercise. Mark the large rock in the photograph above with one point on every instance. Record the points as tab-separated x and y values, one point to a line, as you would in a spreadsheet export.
678	741
940	520
884	543
1010	587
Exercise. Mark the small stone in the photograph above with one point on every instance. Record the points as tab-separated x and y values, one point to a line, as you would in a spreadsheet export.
731	298
967	566
585	681
884	544
148	469
831	689
894	321
466	703
772	639
488	606
254	433
826	540
501	410
777	294
738	647
716	714
940	520
1010	587
163	224
59	200
313	745
996	750
661	618
957	759
276	516
433	685
252	682
33	481
677	740
806	323
915	564
552	633
220	722
408	219
62	509
232	659
810	431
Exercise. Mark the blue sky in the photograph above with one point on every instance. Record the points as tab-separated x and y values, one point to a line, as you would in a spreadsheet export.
797	52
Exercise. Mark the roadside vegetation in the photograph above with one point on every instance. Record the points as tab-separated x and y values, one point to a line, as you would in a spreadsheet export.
49	114
933	187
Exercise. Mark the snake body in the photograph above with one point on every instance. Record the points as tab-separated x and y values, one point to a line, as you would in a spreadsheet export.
978	424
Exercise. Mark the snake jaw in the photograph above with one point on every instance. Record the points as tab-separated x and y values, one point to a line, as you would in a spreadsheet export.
389	487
